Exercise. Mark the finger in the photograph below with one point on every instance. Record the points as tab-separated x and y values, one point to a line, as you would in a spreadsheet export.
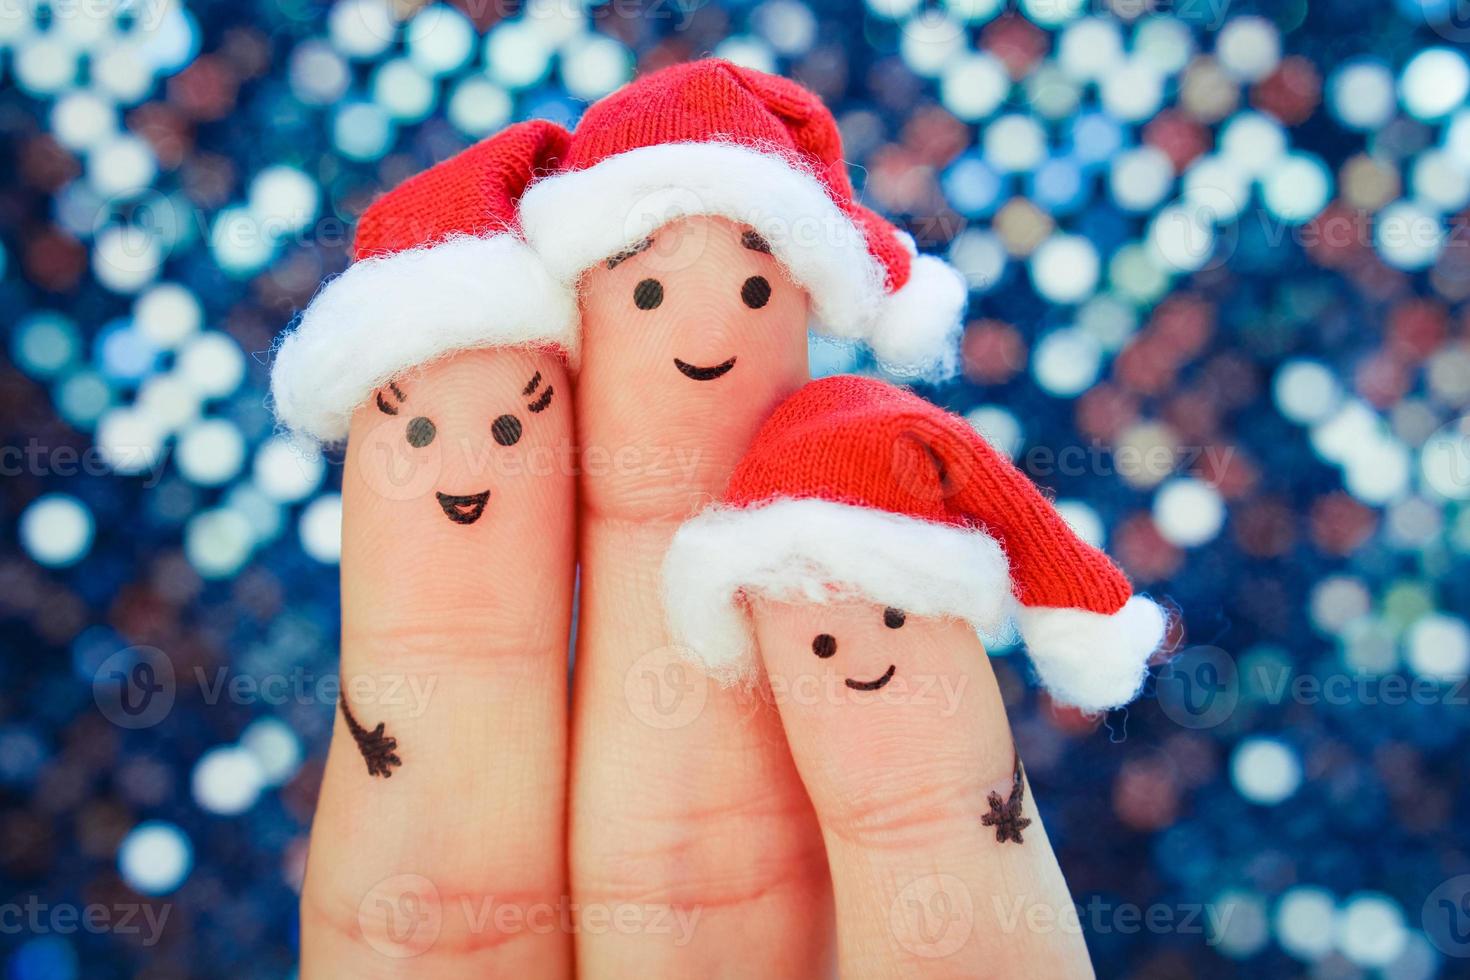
684	796
437	848
938	856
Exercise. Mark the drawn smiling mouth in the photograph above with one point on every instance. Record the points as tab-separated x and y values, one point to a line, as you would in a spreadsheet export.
872	685
696	373
463	508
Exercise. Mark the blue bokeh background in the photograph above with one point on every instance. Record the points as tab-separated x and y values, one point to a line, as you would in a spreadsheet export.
1219	269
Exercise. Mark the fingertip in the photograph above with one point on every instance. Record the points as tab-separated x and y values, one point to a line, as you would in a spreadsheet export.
874	696
689	345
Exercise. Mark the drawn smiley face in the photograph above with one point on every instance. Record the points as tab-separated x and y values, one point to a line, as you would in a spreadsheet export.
420	431
690	339
824	645
648	294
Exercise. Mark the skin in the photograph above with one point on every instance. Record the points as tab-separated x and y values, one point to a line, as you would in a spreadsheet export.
683	793
688	793
454	637
710	832
900	776
655	442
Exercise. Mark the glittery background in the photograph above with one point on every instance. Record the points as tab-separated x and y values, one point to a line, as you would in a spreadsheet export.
1219	262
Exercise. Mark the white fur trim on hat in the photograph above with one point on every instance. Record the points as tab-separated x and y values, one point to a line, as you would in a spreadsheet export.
576	218
390	313
917	330
821	551
1092	660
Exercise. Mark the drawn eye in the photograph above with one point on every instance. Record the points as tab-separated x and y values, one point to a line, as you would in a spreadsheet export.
420	432
893	618
506	430
756	292
648	294
614	260
824	645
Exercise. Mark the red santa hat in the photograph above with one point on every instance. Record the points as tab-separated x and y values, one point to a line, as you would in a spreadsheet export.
712	138
438	267
855	489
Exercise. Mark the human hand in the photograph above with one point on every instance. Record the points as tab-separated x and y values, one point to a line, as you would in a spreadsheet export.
692	827
701	816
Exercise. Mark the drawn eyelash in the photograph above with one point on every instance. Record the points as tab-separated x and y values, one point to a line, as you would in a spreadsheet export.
642	246
540	403
532	384
383	405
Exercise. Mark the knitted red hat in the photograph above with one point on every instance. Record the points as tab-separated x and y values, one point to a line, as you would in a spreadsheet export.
857	489
438	268
712	138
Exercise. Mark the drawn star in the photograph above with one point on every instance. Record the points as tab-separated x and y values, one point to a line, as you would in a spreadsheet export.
379	750
1005	815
